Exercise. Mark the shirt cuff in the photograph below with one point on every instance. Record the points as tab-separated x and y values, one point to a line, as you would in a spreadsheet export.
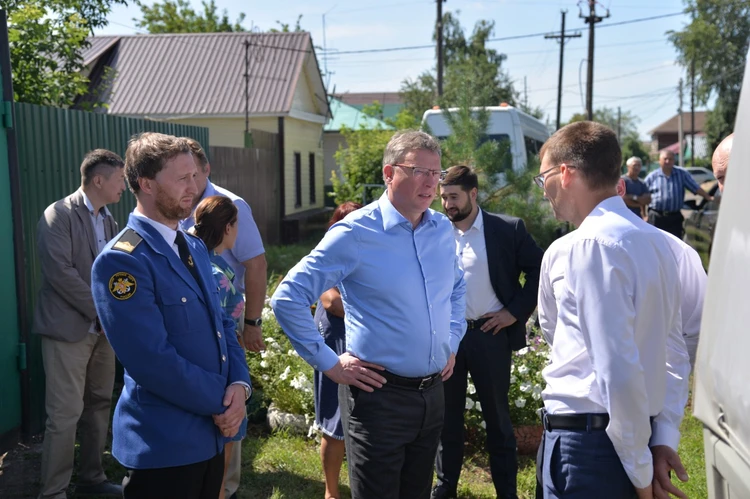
324	360
250	388
664	434
454	342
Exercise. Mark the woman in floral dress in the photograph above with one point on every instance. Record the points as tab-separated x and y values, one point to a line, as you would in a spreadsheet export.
216	225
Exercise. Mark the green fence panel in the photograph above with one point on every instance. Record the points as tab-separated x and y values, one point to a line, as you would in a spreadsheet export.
51	145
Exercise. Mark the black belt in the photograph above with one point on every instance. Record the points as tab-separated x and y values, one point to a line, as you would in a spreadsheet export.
588	422
422	383
475	323
664	213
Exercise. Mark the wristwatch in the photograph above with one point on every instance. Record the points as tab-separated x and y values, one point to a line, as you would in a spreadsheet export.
254	322
248	392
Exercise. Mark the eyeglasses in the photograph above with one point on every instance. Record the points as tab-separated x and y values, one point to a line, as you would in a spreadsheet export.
539	179
420	172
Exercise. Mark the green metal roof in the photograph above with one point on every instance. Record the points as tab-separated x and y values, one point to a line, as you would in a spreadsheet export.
351	117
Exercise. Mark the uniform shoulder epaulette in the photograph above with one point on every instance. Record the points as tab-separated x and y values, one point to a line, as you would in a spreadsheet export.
128	241
192	234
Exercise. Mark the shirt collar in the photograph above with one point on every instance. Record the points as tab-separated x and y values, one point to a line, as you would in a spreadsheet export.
392	218
478	224
90	206
168	233
614	203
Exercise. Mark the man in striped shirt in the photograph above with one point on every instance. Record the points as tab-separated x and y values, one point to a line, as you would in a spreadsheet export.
667	186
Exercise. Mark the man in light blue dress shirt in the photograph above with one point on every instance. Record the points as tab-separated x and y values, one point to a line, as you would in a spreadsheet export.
395	264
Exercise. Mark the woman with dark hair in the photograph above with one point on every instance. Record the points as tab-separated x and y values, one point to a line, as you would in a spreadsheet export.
216	225
329	317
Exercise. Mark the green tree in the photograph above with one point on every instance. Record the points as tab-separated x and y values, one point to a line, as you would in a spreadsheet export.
716	41
286	28
469	66
608	116
361	161
177	16
46	41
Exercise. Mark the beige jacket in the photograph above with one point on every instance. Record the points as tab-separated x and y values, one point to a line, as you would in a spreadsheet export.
67	248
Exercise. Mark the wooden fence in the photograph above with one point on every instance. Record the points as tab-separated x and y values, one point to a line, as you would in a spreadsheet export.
254	175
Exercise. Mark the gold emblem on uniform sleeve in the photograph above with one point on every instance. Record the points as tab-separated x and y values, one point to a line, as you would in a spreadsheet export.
190	260
122	285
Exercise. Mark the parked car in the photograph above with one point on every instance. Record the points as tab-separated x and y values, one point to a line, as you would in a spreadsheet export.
721	395
700	219
700	174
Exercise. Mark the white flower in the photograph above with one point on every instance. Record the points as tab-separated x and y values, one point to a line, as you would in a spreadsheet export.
520	402
285	374
265	377
523	351
469	403
263	354
537	389
263	364
471	389
536	396
513	379
523	369
525	387
512	368
292	352
300	382
270	340
483	425
478	406
267	314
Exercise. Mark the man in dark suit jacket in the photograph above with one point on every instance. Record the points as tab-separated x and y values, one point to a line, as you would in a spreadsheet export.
79	364
494	250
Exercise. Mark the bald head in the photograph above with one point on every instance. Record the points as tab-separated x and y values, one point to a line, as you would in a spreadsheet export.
720	160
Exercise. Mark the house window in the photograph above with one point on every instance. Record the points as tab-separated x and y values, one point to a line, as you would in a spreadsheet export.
312	178
297	180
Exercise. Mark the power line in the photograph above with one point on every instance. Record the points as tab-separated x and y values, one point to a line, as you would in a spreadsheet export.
506	38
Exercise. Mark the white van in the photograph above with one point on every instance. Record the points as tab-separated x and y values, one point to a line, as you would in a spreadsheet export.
722	371
525	134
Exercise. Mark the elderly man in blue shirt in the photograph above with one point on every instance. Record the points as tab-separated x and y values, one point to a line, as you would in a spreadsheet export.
395	264
667	186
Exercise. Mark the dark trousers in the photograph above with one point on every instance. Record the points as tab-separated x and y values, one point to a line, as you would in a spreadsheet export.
667	221
193	481
391	437
582	465
487	358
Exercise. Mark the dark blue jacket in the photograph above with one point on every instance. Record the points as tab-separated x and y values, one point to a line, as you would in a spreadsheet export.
178	349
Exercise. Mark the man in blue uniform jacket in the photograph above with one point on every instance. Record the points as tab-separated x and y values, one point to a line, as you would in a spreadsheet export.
186	380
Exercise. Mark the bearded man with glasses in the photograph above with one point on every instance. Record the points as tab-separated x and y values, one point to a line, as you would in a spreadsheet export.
394	262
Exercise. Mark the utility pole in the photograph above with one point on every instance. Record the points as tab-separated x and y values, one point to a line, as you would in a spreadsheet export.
591	20
692	114
562	36
439	30
325	49
680	129
619	125
247	90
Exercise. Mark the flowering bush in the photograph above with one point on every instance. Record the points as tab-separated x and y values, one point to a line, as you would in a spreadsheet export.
279	372
525	394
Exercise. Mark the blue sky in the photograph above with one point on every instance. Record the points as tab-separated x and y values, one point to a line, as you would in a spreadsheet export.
634	64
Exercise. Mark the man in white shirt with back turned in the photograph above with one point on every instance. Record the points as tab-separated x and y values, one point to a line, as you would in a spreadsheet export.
609	305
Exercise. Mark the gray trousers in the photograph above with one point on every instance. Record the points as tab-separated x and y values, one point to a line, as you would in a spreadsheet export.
80	378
